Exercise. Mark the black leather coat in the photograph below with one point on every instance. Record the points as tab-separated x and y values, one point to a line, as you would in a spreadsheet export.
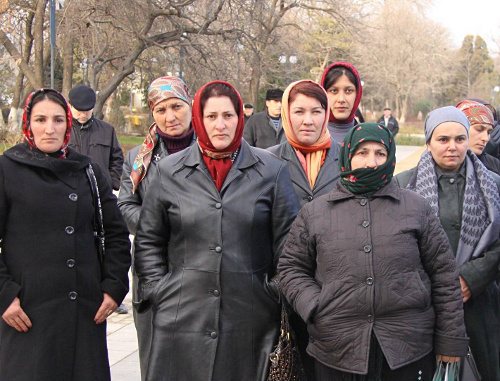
204	259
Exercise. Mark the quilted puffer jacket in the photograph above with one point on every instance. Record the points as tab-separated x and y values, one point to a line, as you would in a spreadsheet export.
352	265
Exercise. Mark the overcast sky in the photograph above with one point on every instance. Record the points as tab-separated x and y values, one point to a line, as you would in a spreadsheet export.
463	17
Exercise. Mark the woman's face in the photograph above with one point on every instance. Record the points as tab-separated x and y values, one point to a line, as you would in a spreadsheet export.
220	121
448	146
342	95
479	136
306	117
48	124
369	155
173	116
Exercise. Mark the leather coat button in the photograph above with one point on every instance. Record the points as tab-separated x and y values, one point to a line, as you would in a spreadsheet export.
73	197
369	281
69	229
218	205
310	198
216	293
452	181
218	249
365	224
213	335
457	226
363	202
369	318
70	263
72	295
367	248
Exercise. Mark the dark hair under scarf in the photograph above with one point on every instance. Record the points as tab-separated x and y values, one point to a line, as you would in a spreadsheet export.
56	97
366	180
359	88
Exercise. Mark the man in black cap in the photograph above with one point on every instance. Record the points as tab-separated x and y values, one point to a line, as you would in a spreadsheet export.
264	129
94	137
389	121
248	111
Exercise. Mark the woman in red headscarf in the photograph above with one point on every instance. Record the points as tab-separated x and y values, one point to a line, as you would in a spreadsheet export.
342	83
212	227
56	288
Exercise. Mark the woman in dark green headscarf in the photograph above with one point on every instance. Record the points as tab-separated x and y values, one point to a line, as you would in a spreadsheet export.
369	268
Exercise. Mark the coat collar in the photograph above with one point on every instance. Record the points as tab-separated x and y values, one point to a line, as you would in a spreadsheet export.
340	192
64	169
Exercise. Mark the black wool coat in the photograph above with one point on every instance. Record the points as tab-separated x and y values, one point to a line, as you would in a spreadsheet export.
205	259
49	260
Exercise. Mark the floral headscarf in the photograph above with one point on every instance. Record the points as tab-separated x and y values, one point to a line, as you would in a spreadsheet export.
313	156
28	133
367	180
161	89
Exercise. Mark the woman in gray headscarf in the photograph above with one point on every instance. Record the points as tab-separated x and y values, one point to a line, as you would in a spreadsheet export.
465	197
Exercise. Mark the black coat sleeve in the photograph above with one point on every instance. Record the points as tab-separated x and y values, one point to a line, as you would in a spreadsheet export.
8	288
116	262
249	131
115	162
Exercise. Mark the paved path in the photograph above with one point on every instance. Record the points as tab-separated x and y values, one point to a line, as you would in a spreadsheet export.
122	338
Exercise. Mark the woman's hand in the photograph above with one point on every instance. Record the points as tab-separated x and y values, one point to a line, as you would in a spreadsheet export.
447	358
16	317
466	293
107	307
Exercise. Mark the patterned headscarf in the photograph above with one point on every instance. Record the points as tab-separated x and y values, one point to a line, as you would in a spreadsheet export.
218	161
359	89
476	112
311	157
161	89
28	133
366	180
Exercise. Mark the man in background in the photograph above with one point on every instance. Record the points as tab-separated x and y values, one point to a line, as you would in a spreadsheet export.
248	111
264	129
389	121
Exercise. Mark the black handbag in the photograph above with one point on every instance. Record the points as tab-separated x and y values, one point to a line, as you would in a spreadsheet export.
98	223
285	358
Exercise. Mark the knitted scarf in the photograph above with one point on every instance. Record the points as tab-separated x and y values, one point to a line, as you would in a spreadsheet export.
481	208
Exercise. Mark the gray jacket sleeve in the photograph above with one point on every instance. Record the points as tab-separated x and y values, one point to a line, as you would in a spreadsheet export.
297	266
437	257
128	202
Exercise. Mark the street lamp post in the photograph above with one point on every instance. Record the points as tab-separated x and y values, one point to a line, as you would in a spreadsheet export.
181	68
288	60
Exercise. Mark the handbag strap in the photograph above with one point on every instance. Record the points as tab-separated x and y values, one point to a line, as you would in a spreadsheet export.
98	221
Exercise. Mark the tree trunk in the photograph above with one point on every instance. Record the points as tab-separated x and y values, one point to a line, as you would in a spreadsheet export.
38	37
67	52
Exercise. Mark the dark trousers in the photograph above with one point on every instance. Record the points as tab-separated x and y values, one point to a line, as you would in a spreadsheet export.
482	321
422	370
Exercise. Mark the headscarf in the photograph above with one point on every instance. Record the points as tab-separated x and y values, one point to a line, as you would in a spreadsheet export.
476	112
480	225
28	133
443	115
359	90
161	89
366	180
218	161
313	156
